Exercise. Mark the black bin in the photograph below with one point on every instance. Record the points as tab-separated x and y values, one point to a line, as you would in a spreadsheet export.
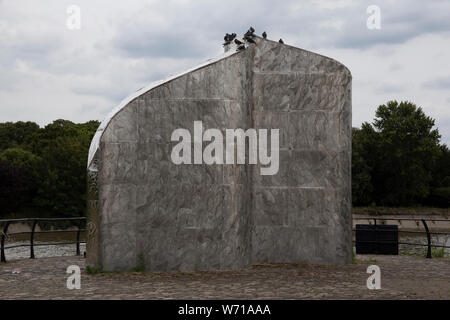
376	239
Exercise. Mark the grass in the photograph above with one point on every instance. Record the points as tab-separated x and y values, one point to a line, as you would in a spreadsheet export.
438	253
92	270
96	270
110	272
354	260
140	266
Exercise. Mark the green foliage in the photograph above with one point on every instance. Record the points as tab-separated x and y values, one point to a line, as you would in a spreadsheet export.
140	265
92	270
53	159
409	148
63	188
441	197
20	158
14	187
18	134
440	185
397	159
438	253
354	260
26	165
362	145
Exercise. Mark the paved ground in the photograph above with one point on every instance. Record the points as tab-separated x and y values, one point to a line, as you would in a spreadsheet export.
402	277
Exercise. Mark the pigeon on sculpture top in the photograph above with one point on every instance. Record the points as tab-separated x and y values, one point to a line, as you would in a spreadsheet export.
248	36
228	38
281	41
250	32
249	40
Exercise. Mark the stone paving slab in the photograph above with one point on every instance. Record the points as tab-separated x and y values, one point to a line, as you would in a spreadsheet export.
402	277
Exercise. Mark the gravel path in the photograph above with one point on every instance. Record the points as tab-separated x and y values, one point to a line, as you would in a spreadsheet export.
402	277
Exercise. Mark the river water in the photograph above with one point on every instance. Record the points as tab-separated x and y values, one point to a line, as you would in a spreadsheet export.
422	250
42	251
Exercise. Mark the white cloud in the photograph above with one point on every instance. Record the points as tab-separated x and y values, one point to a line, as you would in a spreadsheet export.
332	24
374	81
334	4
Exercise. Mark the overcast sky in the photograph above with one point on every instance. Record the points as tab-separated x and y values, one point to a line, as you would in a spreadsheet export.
48	71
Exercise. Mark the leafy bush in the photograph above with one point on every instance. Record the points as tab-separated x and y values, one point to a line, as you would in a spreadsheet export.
44	169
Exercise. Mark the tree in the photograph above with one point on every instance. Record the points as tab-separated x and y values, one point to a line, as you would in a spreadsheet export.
14	185
17	134
44	169
406	151
47	135
21	158
362	186
30	165
440	186
63	147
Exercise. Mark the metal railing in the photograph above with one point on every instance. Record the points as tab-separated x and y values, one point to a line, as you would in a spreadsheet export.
427	231
5	235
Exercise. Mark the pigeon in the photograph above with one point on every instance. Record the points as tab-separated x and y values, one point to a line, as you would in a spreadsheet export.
264	34
249	39
238	42
250	32
241	47
281	41
227	39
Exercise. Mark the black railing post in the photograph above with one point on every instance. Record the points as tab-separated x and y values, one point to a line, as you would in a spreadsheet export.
78	241
32	240
4	234
428	239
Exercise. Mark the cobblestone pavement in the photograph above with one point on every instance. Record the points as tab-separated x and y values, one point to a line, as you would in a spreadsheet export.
402	277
